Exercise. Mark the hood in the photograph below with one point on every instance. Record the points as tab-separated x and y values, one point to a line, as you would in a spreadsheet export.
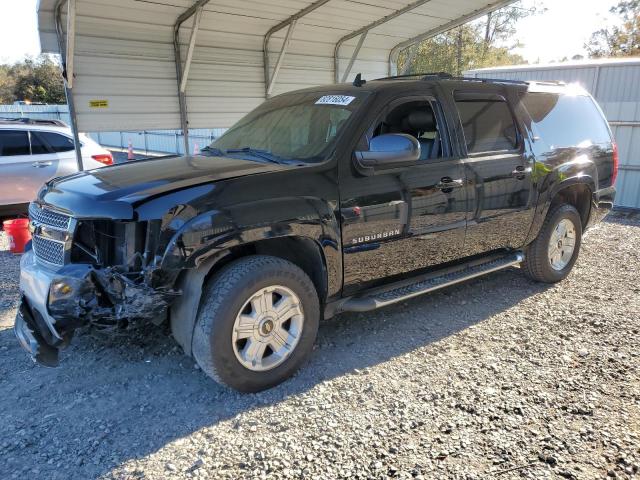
112	192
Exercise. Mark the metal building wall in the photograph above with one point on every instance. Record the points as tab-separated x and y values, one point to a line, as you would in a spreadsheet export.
615	84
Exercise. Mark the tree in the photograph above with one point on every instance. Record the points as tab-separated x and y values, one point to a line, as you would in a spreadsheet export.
482	43
33	79
618	40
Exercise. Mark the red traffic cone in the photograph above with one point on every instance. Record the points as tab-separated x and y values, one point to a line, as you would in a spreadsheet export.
196	149
130	155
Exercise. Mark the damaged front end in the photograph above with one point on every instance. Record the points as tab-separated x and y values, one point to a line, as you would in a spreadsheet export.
106	274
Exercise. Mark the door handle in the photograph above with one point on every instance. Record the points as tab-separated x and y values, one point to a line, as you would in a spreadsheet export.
521	172
447	183
41	164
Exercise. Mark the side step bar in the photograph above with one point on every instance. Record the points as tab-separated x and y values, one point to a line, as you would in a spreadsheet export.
435	281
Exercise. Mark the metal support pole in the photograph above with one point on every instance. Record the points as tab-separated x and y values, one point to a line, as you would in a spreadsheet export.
265	42
363	37
66	47
285	46
372	25
182	98
192	44
393	53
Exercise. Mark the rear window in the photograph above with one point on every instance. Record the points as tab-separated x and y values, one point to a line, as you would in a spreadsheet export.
488	125
57	142
14	142
566	120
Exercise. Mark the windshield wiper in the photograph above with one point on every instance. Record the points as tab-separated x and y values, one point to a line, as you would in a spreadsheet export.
256	152
216	152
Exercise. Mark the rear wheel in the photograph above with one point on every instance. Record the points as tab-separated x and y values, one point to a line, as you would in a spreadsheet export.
257	323
553	253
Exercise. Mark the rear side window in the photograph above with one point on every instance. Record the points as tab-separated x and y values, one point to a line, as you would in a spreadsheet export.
488	125
57	142
566	121
38	147
14	142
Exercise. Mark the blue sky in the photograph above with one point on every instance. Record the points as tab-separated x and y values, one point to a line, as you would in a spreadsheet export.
561	31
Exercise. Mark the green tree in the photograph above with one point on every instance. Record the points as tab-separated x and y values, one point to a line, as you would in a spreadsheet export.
618	40
485	42
33	79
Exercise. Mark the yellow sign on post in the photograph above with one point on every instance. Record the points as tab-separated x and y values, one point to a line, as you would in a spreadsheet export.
99	103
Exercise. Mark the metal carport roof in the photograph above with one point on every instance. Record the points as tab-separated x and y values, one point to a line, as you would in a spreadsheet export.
230	55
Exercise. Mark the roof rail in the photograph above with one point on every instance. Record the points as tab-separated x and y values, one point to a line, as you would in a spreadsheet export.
448	76
419	76
32	121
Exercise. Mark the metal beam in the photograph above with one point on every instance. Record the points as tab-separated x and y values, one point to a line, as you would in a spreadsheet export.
182	98
377	23
287	39
347	71
393	54
192	43
265	42
66	47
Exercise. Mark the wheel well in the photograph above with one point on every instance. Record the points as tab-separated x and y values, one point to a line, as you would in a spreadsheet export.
303	252
579	196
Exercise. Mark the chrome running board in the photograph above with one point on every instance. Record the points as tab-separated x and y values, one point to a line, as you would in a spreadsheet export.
425	284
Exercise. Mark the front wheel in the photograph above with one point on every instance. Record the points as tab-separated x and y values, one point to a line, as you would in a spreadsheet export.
257	323
551	256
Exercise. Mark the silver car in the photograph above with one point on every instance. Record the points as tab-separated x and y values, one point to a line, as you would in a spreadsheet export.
34	151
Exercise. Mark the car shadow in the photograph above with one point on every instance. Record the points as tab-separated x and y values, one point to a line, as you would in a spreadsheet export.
123	396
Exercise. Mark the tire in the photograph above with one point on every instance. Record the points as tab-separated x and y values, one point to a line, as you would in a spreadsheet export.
539	264
233	326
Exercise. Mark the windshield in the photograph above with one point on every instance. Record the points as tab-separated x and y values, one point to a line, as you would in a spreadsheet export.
290	128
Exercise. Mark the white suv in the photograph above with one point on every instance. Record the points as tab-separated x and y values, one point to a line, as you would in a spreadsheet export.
34	151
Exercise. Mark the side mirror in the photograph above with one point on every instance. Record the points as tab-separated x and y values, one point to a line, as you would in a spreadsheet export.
390	150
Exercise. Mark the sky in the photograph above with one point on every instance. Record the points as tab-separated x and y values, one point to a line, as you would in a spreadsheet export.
561	31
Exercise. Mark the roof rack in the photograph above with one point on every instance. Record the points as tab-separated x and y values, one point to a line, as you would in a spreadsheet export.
420	76
32	121
448	76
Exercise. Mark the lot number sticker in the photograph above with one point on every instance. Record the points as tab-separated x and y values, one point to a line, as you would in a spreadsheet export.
335	100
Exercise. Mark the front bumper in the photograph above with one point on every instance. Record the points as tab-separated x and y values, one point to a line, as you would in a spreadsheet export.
57	302
34	327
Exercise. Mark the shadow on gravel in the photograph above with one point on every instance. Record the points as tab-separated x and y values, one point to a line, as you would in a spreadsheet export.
119	398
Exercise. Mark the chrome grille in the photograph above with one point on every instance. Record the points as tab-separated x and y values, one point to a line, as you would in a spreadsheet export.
50	251
49	218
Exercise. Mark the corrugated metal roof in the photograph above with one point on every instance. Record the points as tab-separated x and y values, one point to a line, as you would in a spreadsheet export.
614	84
124	52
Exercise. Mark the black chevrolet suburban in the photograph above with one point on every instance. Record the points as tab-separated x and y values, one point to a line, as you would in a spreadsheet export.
343	198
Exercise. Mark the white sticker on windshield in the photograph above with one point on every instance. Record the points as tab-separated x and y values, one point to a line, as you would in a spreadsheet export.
335	100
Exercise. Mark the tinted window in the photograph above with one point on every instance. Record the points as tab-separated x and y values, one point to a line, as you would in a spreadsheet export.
488	125
418	119
565	120
57	142
14	142
37	145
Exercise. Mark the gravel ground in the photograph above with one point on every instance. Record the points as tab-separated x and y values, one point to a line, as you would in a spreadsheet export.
497	378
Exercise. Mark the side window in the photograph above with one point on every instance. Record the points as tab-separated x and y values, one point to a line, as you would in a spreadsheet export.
57	142
566	121
38	147
14	142
488	125
416	118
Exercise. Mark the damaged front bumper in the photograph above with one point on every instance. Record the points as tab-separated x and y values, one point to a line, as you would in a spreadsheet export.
55	303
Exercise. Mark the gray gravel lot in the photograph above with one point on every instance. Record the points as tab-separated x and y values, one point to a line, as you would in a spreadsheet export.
496	378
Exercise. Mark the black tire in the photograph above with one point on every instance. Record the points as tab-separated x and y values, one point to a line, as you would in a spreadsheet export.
225	295
537	265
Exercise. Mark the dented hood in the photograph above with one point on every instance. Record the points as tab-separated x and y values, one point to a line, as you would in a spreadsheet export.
112	192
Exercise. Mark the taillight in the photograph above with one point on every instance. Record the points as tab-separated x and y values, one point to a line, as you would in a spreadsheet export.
105	158
616	160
